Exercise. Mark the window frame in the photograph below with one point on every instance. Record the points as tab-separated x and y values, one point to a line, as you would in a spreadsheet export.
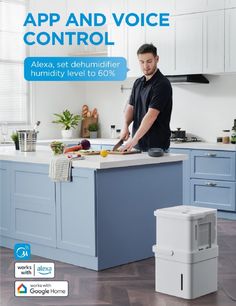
29	105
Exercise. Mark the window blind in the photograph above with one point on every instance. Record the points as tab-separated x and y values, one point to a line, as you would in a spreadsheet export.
14	92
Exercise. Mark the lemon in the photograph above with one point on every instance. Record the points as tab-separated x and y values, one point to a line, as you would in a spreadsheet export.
103	153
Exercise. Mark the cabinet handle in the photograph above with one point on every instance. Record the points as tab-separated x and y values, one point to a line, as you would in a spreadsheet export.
211	184
211	154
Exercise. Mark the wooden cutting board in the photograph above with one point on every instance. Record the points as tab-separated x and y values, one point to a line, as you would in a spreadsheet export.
89	152
124	152
109	152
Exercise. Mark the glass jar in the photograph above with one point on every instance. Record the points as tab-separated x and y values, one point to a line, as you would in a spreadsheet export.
226	136
233	133
113	131
118	133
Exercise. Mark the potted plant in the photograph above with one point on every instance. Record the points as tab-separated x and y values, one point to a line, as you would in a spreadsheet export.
15	138
68	121
93	130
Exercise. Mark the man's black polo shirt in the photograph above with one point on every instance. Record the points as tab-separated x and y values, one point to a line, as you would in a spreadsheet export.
155	93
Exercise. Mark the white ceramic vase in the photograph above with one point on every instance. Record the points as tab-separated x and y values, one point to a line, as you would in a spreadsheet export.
93	134
66	134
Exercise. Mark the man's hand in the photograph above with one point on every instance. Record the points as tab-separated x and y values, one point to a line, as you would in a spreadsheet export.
125	133
129	145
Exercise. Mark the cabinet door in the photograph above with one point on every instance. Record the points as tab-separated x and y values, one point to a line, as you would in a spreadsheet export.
215	4
5	201
213	194
117	34
135	38
76	213
230	3
33	204
189	43
164	39
187	7
186	174
213	56
230	40
210	164
163	6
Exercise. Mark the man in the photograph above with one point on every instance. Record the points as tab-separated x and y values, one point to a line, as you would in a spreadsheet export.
149	107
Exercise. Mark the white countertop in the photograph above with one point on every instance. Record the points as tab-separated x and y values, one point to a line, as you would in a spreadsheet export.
43	155
183	145
93	141
109	141
204	146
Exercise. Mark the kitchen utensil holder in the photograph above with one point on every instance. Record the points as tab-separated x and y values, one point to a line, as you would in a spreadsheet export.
27	140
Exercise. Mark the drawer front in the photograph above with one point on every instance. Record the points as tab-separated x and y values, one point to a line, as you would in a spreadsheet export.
33	204
218	165
213	194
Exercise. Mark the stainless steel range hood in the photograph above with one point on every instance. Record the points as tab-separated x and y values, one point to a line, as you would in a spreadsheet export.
188	79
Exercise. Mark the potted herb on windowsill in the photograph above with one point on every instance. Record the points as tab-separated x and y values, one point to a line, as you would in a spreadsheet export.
93	130
68	121
15	138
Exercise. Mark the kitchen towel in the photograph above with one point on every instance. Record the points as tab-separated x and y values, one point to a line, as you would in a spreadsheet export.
60	168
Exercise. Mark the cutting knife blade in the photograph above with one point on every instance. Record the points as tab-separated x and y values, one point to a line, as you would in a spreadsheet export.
119	143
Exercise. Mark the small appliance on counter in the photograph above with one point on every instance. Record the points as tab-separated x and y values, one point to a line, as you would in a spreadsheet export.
179	136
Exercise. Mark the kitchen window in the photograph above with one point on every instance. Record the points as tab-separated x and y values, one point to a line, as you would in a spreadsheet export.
14	90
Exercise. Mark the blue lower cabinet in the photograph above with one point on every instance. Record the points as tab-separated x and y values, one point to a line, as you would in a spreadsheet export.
33	203
216	165
76	213
214	194
5	199
186	174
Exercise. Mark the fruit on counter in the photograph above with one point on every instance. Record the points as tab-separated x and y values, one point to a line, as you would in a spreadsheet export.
73	148
103	153
85	143
57	147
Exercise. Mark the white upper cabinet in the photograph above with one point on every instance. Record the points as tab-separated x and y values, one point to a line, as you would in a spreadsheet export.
117	34
213	42
215	5
230	3
230	40
195	6
189	43
164	39
135	36
189	6
161	6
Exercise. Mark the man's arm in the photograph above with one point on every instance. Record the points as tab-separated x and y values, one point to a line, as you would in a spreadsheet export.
145	125
128	118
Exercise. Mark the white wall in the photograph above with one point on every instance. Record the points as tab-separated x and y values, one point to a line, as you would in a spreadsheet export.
201	109
205	110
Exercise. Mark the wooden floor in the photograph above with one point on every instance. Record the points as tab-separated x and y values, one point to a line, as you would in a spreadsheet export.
131	284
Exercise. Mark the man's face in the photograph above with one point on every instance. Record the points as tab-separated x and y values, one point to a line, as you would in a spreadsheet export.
148	63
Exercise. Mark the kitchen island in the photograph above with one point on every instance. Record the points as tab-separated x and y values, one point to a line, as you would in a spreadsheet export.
103	218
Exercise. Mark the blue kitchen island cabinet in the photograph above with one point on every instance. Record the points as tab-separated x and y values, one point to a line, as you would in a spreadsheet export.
209	176
105	217
101	219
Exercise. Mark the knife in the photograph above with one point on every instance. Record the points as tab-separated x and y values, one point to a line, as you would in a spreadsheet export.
119	143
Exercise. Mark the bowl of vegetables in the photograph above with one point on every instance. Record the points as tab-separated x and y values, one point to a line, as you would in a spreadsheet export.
57	147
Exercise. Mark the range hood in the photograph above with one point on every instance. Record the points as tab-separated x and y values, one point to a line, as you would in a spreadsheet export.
188	79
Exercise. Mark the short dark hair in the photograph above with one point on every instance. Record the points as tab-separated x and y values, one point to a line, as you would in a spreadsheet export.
147	48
